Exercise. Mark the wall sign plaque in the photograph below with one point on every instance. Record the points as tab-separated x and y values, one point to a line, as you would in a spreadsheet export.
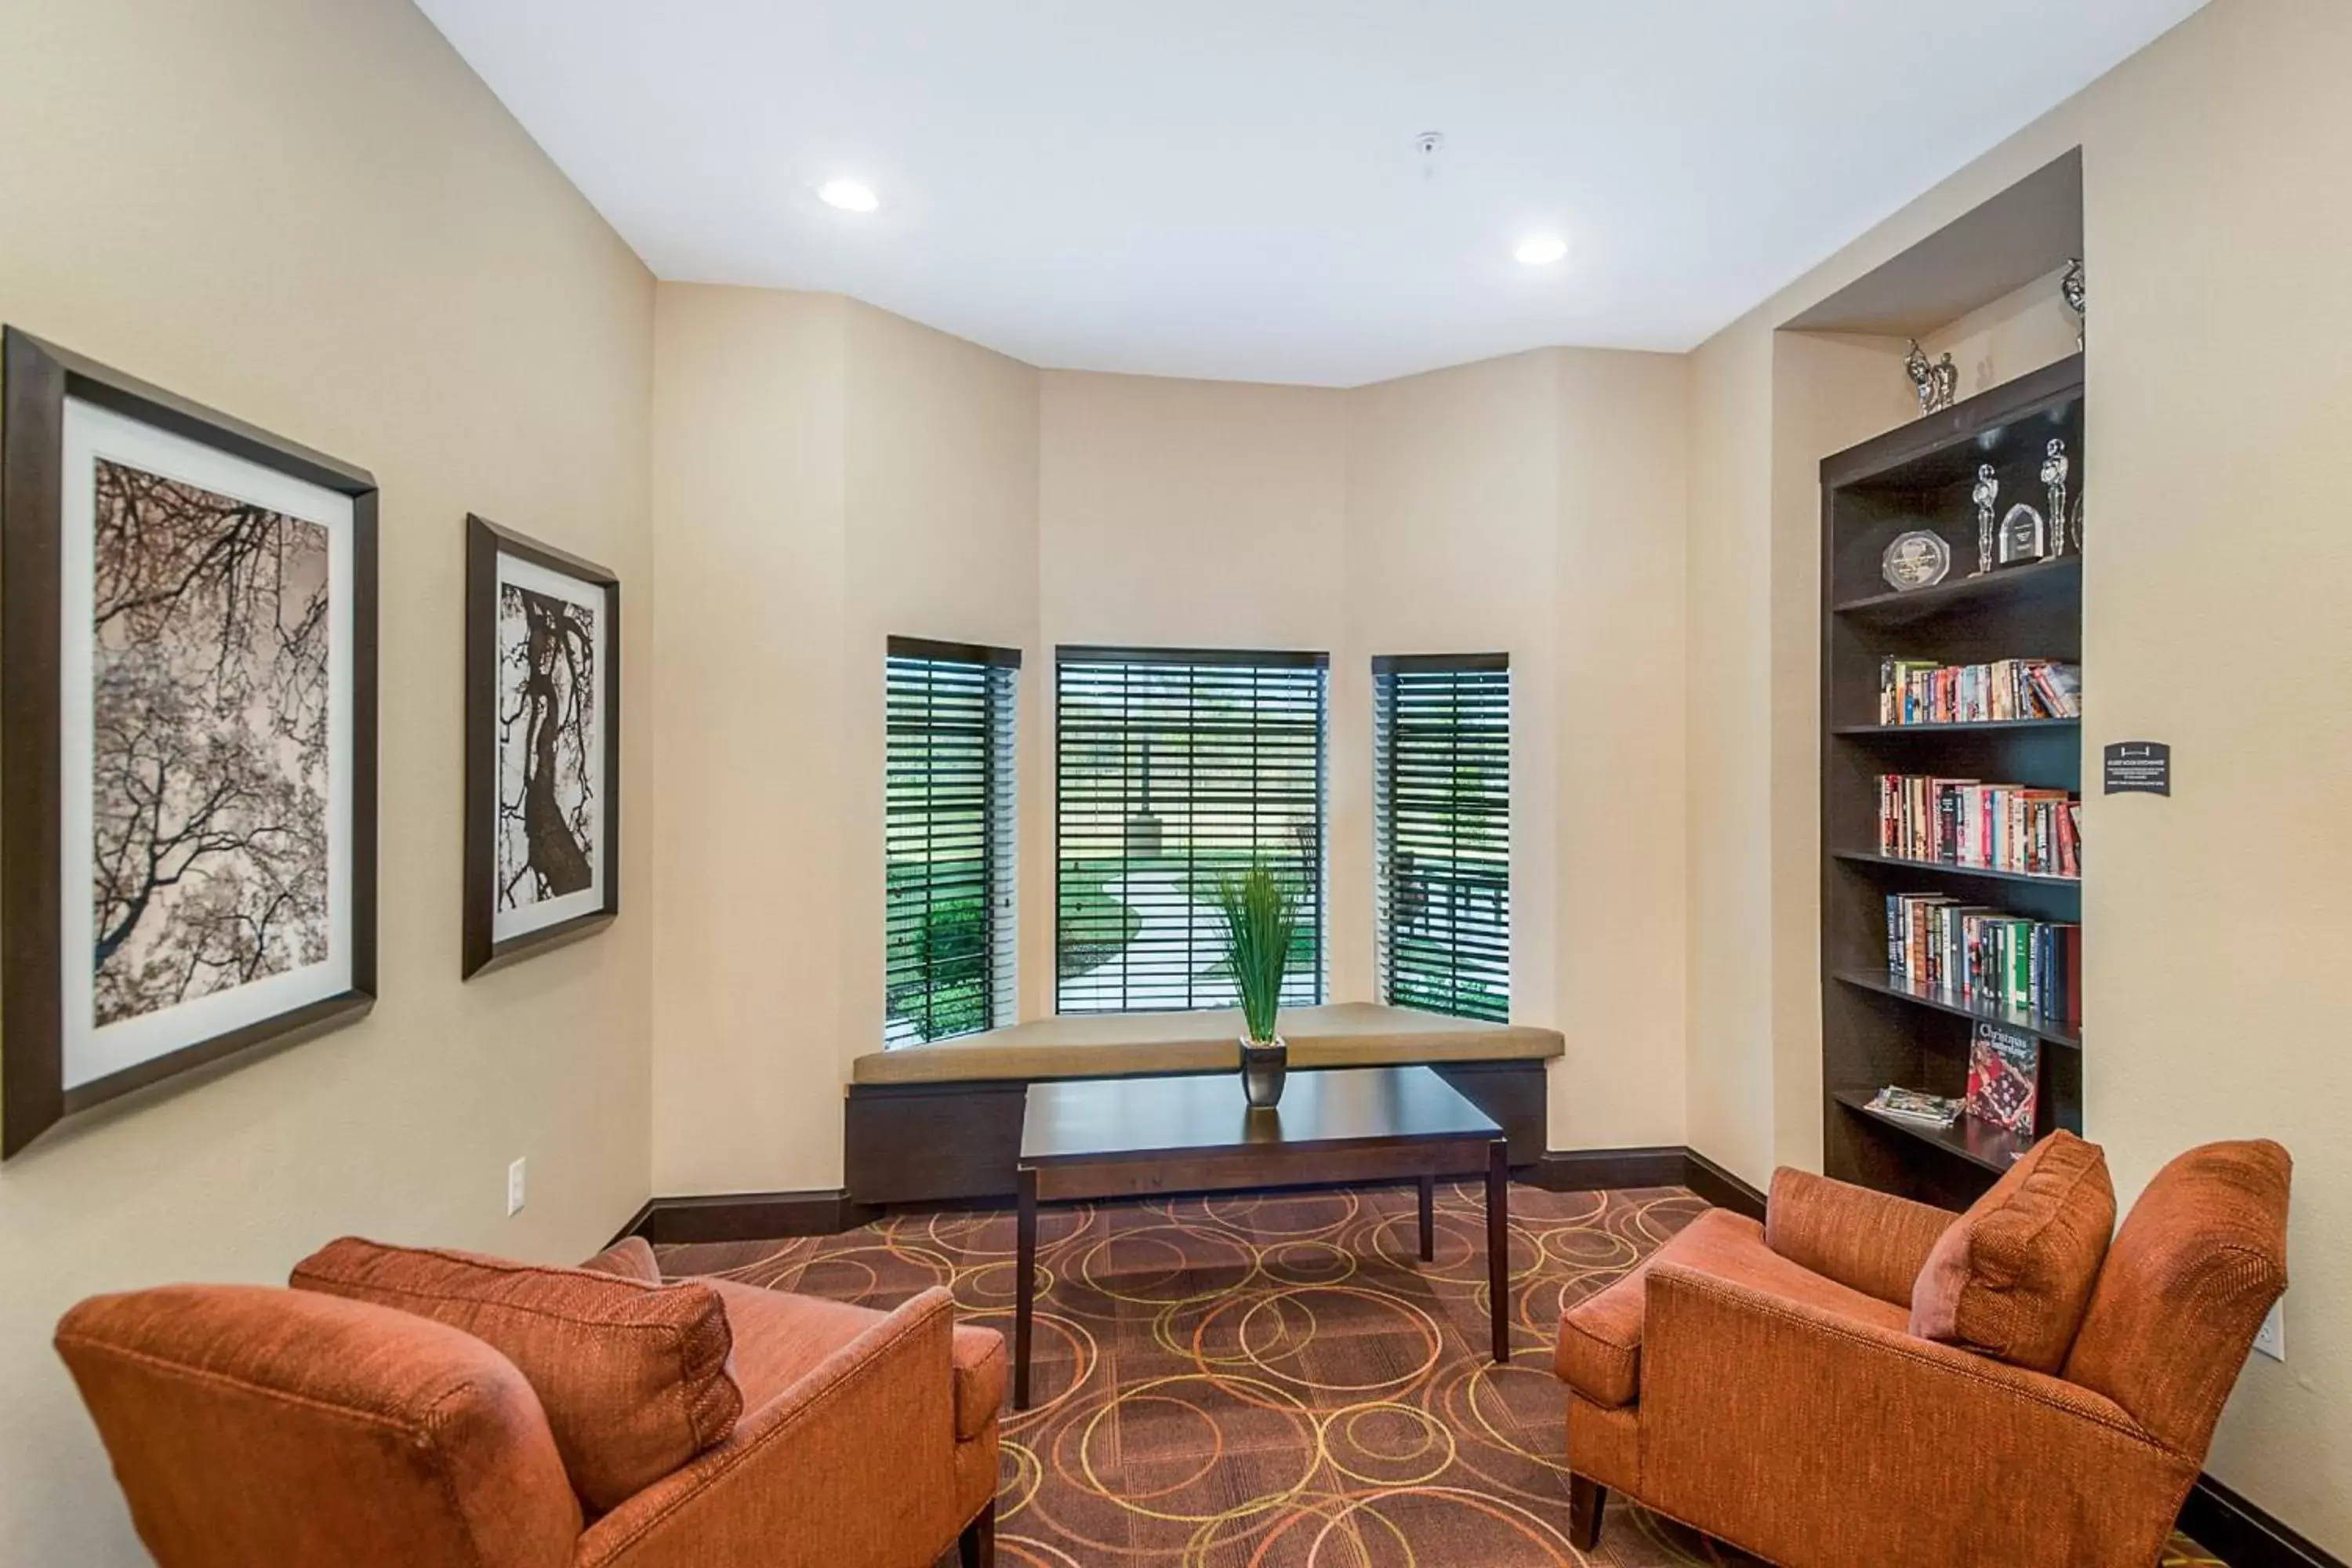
1920	559
2139	767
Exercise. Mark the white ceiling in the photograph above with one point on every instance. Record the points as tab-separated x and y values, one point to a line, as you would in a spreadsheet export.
1229	188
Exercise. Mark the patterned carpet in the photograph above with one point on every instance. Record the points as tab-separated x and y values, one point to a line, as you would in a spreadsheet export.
1276	1382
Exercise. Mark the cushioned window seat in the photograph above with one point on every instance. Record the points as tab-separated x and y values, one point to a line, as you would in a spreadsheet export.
1116	1045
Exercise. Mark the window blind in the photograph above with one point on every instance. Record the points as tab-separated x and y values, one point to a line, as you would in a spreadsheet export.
1442	833
948	840
1174	768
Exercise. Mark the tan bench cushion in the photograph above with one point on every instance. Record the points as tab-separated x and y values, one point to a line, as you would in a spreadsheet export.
1343	1034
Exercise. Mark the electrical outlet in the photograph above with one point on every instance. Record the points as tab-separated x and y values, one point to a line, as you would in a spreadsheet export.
514	1188
2270	1338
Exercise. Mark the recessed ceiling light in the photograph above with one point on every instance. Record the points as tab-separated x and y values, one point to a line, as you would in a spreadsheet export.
848	195
1542	249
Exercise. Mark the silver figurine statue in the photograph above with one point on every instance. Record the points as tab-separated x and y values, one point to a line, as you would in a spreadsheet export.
1986	495
2070	286
1936	384
2055	468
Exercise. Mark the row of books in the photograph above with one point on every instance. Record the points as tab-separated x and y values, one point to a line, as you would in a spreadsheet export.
1994	826
1979	955
1921	692
2004	1071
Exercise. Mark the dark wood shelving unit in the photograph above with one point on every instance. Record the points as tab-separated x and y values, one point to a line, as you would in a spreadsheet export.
1878	1029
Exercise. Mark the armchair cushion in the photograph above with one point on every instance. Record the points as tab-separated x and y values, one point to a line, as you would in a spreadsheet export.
2012	1278
1874	1241
1599	1349
779	1338
634	1377
631	1258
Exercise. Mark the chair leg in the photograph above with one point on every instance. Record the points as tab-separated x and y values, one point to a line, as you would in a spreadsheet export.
1586	1497
976	1547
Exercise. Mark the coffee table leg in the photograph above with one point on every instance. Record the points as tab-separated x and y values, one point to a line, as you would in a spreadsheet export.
1499	1244
1428	1219
1024	1287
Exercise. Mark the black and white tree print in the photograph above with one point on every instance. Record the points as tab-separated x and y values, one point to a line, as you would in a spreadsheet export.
210	743
548	749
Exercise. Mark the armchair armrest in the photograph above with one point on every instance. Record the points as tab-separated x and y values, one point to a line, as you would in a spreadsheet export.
1804	1436
1872	1242
852	1467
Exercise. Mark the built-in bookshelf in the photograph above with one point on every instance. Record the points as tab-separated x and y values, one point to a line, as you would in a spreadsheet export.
1882	1027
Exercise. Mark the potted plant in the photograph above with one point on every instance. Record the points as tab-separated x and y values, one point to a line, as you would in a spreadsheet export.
1261	916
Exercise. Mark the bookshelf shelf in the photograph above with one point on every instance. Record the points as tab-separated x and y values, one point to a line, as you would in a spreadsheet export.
2050	579
1980	1143
1988	727
2057	1031
1981	873
1877	1028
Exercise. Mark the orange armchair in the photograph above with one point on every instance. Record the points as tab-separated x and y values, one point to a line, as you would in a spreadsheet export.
1763	1383
296	1428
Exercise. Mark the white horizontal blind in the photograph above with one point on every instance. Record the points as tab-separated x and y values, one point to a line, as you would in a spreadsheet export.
1175	768
950	920
1442	833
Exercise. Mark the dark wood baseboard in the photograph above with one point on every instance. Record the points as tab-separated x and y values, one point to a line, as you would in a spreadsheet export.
1663	1165
1720	1187
1592	1170
747	1216
2243	1535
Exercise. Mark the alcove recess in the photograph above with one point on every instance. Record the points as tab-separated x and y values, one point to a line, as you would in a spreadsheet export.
1878	1029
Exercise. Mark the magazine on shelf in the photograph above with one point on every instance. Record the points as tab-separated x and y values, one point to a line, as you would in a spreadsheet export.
1916	1105
2004	1067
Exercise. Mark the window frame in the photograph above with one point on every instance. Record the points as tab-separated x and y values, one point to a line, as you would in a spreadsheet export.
1387	671
1318	915
999	686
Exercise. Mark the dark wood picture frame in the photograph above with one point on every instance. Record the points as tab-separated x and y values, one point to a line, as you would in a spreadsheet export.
485	542
40	377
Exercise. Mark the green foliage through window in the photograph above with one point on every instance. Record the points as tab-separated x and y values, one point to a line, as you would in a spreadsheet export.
948	841
1442	833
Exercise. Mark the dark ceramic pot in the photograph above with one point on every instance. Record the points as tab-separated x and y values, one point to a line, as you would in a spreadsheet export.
1262	1070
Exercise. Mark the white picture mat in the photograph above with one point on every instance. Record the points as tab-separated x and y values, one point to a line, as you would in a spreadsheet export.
91	432
530	574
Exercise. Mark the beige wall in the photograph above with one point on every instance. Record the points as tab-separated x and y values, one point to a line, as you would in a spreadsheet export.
1617	950
749	662
2214	247
316	218
824	474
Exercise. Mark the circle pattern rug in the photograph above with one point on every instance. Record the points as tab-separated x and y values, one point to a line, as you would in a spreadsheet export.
1275	1381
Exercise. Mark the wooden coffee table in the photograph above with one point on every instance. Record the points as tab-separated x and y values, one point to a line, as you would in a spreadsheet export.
1146	1137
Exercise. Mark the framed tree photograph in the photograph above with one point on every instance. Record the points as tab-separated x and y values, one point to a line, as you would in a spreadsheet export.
188	793
542	746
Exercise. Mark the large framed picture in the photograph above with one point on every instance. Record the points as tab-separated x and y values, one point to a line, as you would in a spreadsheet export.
542	746
188	793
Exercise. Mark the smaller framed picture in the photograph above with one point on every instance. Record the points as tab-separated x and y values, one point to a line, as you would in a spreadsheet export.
542	747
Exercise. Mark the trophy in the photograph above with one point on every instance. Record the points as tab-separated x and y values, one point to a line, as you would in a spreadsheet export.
1922	376
1936	385
2070	286
2054	468
1986	494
